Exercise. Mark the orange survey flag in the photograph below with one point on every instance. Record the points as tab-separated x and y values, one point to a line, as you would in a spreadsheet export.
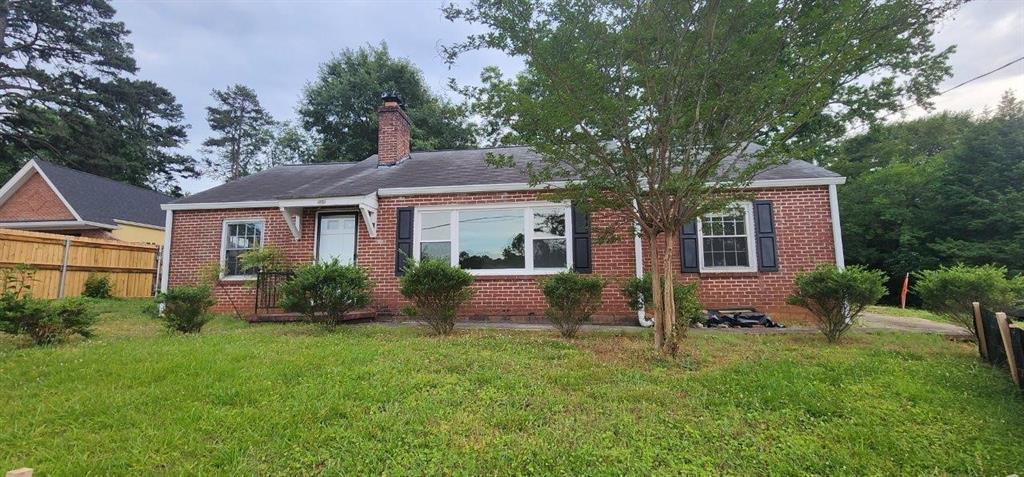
903	292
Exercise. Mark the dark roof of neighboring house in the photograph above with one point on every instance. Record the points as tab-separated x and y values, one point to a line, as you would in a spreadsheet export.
99	199
420	169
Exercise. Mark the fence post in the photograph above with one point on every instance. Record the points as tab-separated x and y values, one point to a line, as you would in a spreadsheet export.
1011	360
158	274
978	325
64	268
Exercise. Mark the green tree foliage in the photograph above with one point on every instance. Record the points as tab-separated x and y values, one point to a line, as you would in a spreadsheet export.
290	144
67	95
44	321
436	290
952	291
572	299
937	190
645	102
325	291
186	308
244	130
837	297
341	106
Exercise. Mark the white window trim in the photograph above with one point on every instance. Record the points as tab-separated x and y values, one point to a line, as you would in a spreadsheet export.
748	208
316	231
224	243
527	208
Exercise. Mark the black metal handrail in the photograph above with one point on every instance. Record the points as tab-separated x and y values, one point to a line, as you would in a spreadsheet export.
268	288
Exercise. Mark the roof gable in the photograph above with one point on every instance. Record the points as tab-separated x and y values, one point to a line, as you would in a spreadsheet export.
92	198
33	199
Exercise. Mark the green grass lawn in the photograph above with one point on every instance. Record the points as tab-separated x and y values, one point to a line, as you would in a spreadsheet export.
291	399
906	312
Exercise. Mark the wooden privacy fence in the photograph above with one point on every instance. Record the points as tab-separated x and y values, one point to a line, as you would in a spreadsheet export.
1000	343
62	263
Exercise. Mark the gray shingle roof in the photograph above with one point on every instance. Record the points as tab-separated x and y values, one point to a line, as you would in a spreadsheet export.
99	199
421	169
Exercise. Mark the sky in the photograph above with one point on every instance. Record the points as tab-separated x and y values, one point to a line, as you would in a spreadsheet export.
276	46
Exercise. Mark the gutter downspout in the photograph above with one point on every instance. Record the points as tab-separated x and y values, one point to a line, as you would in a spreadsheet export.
638	257
837	229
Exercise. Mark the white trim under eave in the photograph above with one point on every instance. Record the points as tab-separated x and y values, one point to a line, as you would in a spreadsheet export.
56	225
22	176
837	228
467	189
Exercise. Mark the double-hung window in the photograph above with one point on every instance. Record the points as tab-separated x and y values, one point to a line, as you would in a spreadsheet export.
727	240
240	236
500	239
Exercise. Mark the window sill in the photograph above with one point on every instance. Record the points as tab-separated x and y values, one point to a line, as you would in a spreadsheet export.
238	278
507	274
729	273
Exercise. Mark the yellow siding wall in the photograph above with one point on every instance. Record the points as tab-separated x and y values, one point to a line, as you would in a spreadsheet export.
133	233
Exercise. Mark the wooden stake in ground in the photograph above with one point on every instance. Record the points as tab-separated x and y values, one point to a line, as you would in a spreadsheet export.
978	325
1011	360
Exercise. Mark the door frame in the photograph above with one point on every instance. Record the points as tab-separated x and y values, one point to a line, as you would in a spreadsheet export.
335	213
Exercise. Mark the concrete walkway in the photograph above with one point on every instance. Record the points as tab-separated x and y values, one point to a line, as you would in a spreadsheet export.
869	322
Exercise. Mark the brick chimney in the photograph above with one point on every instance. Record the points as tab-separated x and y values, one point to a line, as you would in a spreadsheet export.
393	133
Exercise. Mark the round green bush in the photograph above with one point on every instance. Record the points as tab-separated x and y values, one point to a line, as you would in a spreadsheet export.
324	292
837	297
186	308
572	299
639	292
436	290
97	286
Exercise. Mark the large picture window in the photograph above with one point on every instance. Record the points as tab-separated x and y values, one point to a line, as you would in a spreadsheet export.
727	240
240	236
496	239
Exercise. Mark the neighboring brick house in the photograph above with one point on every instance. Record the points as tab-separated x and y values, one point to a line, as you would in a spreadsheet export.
45	197
453	205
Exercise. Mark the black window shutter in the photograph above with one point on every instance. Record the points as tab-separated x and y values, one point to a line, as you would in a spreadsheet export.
581	241
689	247
403	238
764	225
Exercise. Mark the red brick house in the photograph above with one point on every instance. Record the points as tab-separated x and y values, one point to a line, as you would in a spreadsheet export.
45	197
453	205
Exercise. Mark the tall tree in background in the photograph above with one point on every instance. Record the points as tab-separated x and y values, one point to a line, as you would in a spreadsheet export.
243	130
290	145
66	95
939	190
341	106
645	102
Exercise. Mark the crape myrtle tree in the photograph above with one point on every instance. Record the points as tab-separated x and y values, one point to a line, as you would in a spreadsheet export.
644	104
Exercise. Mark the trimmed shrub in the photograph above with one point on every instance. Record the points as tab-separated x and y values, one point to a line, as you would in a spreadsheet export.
46	321
324	292
268	259
951	291
436	290
572	300
837	297
689	310
97	286
186	307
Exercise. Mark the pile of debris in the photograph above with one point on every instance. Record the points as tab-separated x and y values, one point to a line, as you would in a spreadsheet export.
739	318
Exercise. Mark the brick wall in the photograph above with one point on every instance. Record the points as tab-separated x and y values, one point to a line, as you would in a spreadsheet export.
802	220
34	200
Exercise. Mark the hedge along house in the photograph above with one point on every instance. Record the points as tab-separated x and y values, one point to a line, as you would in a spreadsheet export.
452	205
45	197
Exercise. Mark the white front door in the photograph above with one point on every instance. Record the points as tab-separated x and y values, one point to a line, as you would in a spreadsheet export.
336	238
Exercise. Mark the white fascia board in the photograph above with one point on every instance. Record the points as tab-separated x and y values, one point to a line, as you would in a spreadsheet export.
56	224
466	189
138	224
23	175
357	200
816	181
251	204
